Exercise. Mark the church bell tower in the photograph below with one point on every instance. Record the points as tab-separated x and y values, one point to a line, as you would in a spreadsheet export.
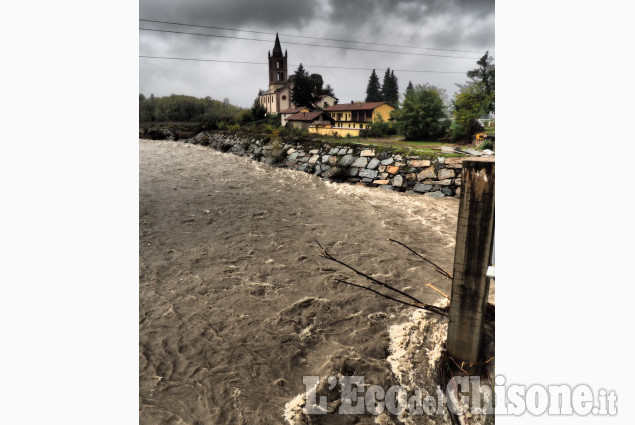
277	66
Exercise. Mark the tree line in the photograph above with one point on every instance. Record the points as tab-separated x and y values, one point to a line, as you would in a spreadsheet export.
387	92
181	108
423	114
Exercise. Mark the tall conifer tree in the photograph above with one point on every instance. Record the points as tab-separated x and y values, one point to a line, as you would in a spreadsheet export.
373	90
302	92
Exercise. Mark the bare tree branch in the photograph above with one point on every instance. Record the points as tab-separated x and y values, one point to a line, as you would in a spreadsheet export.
420	305
328	256
436	267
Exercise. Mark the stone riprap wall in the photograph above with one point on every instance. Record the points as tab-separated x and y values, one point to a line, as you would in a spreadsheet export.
360	165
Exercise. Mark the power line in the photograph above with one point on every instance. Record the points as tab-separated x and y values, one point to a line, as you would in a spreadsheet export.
307	37
308	44
307	66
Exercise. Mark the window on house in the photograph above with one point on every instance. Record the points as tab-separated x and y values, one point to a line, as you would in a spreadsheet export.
277	64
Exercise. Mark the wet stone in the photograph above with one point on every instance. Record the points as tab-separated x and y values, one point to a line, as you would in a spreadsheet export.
373	164
371	174
419	163
367	152
435	194
347	160
447	190
428	173
360	162
420	187
446	182
446	174
381	181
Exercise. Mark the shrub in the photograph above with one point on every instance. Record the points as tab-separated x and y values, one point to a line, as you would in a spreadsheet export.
378	128
487	144
276	149
234	127
245	116
155	134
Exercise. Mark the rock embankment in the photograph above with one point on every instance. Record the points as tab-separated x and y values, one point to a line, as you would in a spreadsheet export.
360	165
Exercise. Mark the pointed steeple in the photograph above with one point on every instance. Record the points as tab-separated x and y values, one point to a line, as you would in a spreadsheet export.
277	50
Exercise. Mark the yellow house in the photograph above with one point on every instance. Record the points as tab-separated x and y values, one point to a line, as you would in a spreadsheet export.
352	117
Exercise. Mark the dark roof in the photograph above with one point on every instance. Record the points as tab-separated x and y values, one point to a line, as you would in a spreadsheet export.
278	89
277	50
308	116
354	106
293	110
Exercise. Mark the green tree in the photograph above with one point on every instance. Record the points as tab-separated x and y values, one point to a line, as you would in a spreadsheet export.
316	83
422	115
409	88
258	111
469	105
474	99
485	76
390	89
302	92
328	90
373	90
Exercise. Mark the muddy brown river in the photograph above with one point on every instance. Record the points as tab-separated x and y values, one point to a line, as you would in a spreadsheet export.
236	304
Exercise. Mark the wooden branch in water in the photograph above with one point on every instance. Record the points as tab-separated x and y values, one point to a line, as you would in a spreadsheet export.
431	286
420	305
328	256
437	268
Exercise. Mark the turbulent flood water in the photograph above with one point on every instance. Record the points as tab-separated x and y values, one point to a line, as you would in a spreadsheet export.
236	304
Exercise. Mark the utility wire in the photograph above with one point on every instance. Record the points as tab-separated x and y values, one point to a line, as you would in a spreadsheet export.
293	66
312	38
309	44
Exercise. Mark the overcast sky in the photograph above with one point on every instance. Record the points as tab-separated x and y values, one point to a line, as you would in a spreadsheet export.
442	24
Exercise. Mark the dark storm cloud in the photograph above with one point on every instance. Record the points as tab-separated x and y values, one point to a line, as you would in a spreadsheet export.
447	24
269	14
450	20
363	11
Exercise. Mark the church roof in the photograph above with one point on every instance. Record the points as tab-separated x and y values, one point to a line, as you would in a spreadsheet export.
277	50
276	90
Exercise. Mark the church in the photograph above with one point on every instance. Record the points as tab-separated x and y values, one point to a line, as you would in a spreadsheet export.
278	97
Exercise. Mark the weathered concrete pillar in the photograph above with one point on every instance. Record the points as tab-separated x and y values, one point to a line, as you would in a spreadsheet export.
474	238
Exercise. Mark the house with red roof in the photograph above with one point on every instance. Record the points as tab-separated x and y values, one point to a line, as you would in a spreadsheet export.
304	120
